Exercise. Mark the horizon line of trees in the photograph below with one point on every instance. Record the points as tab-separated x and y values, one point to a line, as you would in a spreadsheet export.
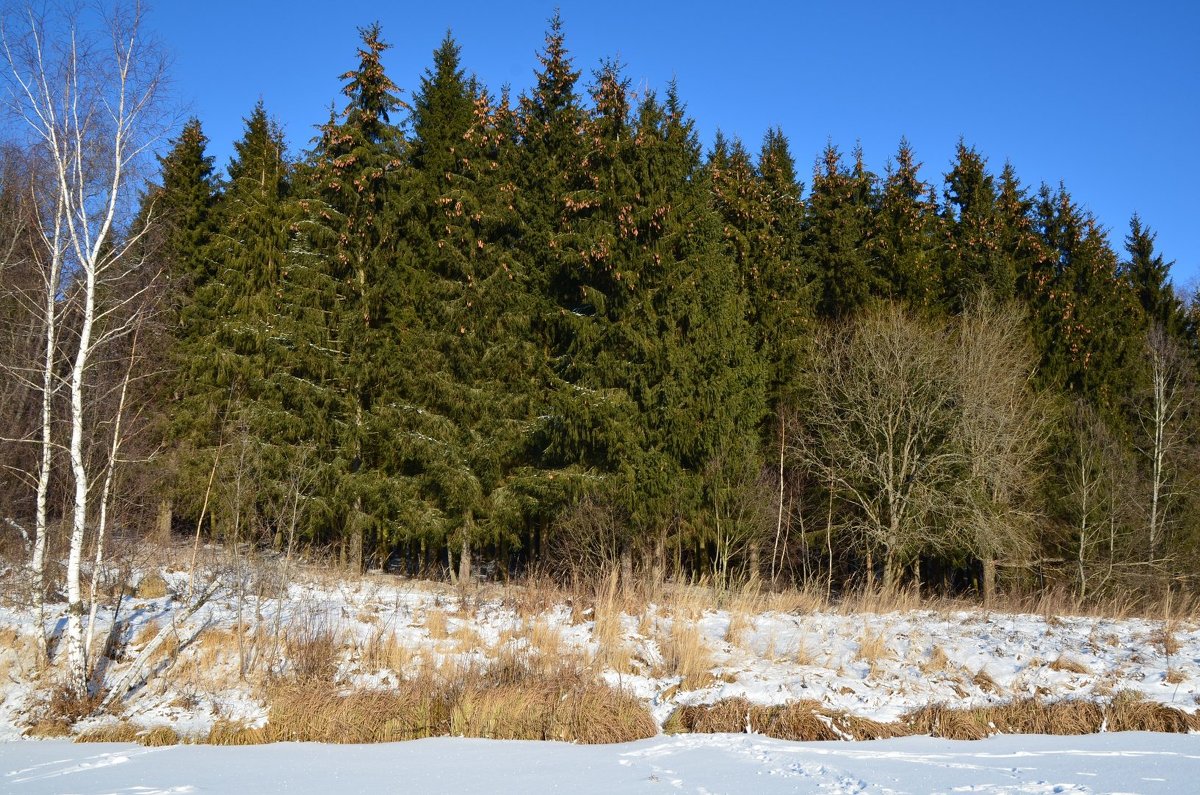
552	331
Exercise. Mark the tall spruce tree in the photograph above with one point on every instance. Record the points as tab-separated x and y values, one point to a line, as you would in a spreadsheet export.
1085	316
907	231
837	228
1149	275
181	211
666	389
353	290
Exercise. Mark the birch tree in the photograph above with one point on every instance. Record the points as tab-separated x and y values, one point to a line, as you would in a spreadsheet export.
85	85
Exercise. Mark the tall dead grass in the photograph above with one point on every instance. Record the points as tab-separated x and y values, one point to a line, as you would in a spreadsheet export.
810	720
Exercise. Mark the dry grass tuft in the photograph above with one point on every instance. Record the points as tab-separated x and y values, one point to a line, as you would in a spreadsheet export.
158	737
123	732
938	662
437	624
938	720
797	720
686	655
152	586
984	681
1129	712
384	652
1065	663
226	732
873	647
739	623
312	646
505	700
1174	676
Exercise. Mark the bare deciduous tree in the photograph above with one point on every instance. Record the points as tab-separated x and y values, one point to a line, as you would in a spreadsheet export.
85	85
881	428
1002	431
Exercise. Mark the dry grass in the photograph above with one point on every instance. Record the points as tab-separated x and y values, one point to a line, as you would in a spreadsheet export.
158	737
739	623
984	681
1174	676
436	623
384	652
506	700
938	662
797	720
1070	665
152	586
122	732
873	648
226	732
809	720
313	648
686	655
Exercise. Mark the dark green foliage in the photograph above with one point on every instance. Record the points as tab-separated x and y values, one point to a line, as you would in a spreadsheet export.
1086	317
1149	275
661	376
907	238
448	340
837	231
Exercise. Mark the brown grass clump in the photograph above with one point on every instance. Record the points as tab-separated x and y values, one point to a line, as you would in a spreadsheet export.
123	732
152	586
1030	716
984	681
384	652
436	623
1174	676
873	647
506	700
803	720
938	720
739	622
60	712
312	645
158	737
685	654
938	662
226	732
1065	663
1129	712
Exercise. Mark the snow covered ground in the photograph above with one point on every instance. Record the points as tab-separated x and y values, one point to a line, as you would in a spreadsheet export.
683	648
717	763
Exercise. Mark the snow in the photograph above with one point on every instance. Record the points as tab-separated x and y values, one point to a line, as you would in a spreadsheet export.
874	665
1132	762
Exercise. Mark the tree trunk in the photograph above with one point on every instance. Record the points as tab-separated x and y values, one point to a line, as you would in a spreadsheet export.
626	567
163	519
989	580
755	562
464	562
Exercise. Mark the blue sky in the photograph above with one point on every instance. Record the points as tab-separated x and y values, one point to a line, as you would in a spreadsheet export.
1103	96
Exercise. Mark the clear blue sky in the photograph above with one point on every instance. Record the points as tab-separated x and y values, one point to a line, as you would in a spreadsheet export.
1103	96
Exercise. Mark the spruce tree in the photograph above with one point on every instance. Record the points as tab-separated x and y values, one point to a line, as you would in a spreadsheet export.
906	237
666	388
836	234
1149	275
352	291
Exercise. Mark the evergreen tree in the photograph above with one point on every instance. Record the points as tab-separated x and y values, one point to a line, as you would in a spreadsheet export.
352	294
836	235
1149	275
181	211
666	390
907	228
1085	318
761	212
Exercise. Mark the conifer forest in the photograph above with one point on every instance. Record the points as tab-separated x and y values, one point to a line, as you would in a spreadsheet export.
472	333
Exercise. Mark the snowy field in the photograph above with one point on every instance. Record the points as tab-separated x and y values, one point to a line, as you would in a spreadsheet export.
719	763
681	647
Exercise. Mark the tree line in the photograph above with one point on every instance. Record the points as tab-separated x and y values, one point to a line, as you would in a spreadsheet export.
553	331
